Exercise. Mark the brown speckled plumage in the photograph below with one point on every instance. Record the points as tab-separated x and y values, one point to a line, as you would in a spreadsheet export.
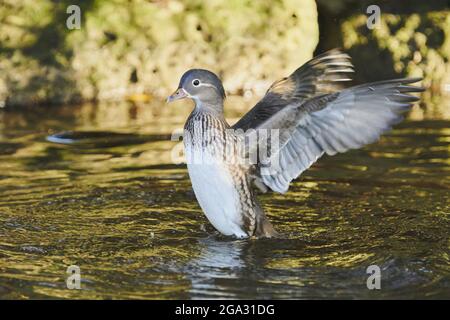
212	133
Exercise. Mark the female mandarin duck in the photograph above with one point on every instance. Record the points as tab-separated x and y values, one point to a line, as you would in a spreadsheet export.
313	116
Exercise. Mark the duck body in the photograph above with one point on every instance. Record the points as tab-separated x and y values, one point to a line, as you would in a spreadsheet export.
222	185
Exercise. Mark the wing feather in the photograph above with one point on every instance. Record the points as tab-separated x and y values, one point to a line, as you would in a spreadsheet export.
333	123
322	74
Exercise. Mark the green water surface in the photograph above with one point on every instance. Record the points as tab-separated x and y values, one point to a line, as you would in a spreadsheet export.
114	203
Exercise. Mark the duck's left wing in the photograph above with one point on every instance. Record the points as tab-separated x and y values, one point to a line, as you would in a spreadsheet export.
329	123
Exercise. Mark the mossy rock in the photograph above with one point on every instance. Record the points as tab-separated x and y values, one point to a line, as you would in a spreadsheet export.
129	47
411	39
413	45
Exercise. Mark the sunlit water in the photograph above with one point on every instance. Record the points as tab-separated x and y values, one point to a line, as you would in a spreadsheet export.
113	203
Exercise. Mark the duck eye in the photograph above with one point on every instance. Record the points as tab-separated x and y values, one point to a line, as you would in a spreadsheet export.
196	82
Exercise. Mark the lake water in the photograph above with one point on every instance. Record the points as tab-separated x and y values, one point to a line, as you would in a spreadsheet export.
113	203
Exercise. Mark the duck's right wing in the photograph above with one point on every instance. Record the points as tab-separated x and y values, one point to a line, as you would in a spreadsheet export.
330	123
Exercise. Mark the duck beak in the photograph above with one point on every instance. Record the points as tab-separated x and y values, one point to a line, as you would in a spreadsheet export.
177	95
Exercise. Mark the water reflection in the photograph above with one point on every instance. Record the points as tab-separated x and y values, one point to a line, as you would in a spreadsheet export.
217	260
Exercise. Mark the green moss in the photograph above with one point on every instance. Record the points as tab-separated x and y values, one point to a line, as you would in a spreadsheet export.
127	47
415	44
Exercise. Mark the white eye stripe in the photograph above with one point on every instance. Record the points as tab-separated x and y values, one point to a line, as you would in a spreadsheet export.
197	83
207	85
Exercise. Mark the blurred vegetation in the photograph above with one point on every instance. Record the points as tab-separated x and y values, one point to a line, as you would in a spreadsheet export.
132	47
136	48
411	39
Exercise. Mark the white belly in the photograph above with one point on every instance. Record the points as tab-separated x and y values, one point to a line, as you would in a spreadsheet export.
217	195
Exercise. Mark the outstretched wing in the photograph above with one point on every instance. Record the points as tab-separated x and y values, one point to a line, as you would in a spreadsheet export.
332	123
322	74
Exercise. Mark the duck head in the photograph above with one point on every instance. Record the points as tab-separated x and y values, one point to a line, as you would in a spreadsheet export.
200	85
